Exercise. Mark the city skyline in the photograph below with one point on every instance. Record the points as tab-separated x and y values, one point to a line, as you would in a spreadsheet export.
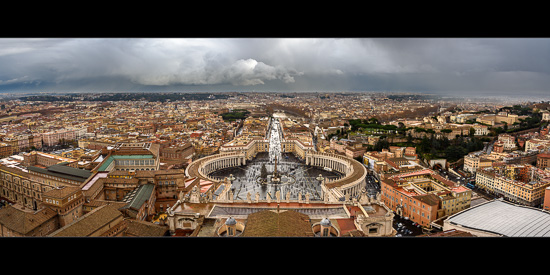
443	66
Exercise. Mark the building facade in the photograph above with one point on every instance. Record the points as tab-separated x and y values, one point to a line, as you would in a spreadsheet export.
66	202
522	184
423	196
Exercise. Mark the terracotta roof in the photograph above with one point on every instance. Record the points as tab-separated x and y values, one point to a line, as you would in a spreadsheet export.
145	229
272	224
346	225
429	199
24	222
62	192
91	222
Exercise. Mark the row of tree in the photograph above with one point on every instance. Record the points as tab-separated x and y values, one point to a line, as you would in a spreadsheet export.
433	147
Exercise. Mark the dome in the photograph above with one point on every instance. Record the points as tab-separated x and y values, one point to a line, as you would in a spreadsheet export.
325	222
230	221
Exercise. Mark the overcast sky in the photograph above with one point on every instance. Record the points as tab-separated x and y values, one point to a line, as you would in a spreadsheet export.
462	66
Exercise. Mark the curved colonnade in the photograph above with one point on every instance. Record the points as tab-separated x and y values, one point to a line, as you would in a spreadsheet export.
203	167
334	190
348	186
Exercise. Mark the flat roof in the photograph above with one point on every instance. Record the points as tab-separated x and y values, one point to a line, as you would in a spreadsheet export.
63	171
504	218
108	161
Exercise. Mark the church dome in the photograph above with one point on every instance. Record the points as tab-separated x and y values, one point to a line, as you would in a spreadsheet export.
325	222
230	221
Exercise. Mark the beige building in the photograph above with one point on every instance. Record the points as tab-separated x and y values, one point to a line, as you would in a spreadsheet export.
508	141
523	184
535	143
473	162
481	130
17	186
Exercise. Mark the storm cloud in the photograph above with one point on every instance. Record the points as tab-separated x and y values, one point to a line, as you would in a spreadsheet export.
437	65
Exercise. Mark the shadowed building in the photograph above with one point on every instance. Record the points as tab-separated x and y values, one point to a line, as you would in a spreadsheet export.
16	222
104	221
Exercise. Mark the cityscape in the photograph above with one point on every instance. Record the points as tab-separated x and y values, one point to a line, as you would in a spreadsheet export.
256	160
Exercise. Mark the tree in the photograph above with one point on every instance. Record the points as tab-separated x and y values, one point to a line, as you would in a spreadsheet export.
381	144
263	171
373	120
409	138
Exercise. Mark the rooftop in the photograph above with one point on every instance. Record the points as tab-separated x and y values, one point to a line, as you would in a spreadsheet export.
111	158
137	197
22	221
504	218
91	222
278	224
63	171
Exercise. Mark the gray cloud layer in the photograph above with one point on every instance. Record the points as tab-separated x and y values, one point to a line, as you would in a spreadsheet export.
401	64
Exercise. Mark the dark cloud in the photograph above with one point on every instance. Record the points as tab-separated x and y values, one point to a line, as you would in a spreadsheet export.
446	65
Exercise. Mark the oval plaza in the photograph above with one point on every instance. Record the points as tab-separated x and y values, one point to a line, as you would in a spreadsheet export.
295	171
282	185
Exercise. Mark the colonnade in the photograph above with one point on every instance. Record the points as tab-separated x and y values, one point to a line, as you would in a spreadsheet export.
349	185
203	167
225	161
340	165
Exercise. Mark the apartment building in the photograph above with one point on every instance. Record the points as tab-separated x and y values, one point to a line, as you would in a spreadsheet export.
543	160
55	137
536	144
523	184
473	162
481	130
423	196
508	141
